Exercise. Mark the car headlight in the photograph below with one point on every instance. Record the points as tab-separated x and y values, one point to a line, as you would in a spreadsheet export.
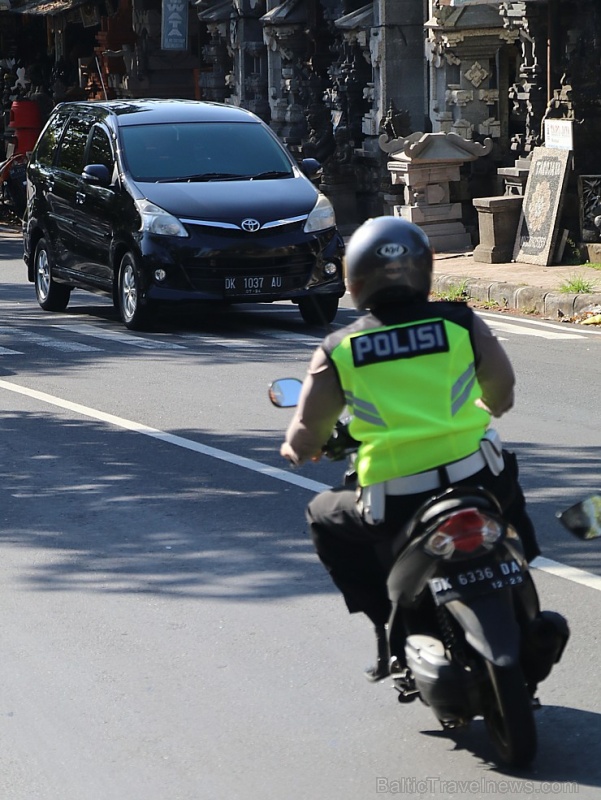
322	216
158	221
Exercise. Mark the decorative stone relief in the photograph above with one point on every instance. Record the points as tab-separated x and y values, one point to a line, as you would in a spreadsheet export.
457	96
476	74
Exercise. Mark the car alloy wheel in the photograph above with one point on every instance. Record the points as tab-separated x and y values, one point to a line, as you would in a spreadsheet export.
51	296
134	309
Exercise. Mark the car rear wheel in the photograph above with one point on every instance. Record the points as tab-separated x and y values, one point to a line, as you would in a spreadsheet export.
52	296
318	309
135	311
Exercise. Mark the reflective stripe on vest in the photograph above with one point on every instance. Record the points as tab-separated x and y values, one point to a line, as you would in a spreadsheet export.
411	389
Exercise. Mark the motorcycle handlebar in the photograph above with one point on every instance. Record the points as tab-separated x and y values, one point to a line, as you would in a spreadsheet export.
341	444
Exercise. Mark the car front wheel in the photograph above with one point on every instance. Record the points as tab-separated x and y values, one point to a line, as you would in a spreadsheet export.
52	296
135	311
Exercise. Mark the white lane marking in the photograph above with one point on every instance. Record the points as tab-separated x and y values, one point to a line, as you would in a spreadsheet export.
544	564
522	330
46	341
586	330
573	574
289	338
154	433
200	339
122	338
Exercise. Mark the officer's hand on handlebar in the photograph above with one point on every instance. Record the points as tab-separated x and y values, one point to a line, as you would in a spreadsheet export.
288	453
291	456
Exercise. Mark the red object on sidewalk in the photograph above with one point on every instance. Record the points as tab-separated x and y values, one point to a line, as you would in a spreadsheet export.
26	121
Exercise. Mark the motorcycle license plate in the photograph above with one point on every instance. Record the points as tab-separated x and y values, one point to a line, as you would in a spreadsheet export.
254	284
478	580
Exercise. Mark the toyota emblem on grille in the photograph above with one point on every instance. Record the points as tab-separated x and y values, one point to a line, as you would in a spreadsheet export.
250	225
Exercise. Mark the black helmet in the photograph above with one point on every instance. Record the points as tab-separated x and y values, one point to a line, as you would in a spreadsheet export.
388	258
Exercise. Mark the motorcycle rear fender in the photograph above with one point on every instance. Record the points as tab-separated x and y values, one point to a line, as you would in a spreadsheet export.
490	626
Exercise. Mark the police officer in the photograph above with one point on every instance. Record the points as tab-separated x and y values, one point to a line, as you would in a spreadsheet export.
422	380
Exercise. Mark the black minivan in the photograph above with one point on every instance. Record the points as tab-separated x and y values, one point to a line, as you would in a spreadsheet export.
163	201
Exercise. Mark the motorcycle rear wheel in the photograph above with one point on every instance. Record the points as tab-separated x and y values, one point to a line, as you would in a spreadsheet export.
509	717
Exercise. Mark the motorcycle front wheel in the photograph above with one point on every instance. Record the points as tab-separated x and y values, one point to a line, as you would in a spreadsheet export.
508	716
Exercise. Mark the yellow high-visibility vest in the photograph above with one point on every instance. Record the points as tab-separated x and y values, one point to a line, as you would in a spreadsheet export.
411	388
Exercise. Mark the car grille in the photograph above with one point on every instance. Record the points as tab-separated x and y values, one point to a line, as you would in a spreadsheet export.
234	234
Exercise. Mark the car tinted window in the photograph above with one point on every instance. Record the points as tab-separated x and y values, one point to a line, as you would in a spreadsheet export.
73	144
100	151
46	148
155	152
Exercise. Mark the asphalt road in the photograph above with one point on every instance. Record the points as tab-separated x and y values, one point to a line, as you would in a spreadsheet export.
167	633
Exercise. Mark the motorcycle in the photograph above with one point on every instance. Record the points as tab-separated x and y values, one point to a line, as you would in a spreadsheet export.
476	643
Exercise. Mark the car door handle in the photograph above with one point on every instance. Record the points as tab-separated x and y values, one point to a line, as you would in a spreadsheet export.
80	198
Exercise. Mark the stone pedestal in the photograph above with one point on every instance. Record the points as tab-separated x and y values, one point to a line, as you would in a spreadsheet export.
498	219
426	165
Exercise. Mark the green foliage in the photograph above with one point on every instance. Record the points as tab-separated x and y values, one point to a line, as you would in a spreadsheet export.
577	285
455	293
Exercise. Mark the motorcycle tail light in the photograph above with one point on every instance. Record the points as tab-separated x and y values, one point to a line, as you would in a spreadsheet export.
464	532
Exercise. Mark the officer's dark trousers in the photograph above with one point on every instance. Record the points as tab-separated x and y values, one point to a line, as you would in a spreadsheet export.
358	555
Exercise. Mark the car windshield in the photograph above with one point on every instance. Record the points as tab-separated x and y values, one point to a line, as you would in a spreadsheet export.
203	151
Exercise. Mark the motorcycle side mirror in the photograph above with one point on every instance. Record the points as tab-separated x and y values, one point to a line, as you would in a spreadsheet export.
285	392
583	519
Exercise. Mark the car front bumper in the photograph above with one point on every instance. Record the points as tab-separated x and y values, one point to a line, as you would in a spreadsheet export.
211	266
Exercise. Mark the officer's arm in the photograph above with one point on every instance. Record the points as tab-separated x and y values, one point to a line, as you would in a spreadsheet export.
321	403
493	369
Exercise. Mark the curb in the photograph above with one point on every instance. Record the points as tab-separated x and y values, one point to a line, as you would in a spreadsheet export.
528	299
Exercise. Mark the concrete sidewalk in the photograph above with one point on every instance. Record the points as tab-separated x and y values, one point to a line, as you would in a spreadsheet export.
526	287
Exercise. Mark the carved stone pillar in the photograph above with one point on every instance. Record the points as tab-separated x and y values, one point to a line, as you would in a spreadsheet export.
352	169
249	72
216	77
284	33
529	92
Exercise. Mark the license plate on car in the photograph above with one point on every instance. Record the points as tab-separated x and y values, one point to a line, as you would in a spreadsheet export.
475	581
254	284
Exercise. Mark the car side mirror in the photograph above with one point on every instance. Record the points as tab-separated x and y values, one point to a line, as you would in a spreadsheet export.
97	174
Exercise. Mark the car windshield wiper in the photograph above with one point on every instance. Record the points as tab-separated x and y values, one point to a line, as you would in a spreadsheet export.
262	176
227	176
205	176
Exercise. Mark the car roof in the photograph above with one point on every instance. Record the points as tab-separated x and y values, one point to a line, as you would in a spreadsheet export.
153	111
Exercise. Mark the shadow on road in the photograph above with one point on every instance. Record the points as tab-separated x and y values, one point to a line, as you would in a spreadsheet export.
123	513
563	762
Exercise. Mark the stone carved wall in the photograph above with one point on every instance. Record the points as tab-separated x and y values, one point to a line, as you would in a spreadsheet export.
528	94
329	74
461	49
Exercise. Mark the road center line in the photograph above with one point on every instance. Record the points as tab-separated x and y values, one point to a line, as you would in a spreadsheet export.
573	574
